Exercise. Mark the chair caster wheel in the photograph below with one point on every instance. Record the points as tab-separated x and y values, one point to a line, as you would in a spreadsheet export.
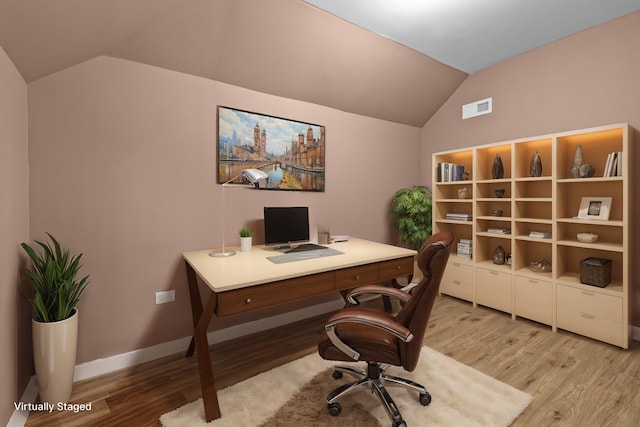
334	409
399	424
337	375
425	399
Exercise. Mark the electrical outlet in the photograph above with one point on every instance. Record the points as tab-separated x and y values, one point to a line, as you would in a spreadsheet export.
165	296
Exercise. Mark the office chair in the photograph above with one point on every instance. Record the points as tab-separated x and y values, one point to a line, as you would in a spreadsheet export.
381	338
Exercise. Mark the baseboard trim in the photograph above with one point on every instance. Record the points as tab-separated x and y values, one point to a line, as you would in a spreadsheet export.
106	365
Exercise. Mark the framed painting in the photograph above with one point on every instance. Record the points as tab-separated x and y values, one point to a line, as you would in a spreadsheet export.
290	152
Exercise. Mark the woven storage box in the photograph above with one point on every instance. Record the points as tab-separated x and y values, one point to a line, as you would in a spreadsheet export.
595	272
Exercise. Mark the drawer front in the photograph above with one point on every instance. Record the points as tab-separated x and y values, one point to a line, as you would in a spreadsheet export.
533	299
349	278
588	302
457	281
396	268
493	289
591	326
260	296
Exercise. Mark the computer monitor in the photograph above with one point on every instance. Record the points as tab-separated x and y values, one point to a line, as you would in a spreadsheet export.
286	225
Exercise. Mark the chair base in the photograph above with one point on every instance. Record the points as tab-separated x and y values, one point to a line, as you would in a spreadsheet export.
375	377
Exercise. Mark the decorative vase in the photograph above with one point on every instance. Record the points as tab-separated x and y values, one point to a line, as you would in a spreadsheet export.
497	170
499	255
245	244
578	161
54	354
535	167
463	193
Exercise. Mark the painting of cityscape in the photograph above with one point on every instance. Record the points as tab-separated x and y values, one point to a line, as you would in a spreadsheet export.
291	153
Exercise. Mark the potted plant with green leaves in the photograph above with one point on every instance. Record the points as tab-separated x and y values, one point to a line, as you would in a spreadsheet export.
55	294
245	239
411	211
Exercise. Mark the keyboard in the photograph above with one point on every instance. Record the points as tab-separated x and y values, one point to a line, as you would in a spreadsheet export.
305	247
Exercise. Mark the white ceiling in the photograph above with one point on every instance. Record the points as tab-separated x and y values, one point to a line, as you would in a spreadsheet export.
473	34
297	50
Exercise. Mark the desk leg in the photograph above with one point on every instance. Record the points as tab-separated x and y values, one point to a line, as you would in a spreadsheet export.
201	319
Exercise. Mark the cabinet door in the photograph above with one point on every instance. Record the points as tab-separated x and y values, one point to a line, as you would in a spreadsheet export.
590	313
533	299
457	281
493	289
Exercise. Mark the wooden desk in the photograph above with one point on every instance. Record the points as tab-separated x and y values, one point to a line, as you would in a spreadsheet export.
249	281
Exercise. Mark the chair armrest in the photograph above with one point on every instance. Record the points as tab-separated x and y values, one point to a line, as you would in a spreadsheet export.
379	320
352	296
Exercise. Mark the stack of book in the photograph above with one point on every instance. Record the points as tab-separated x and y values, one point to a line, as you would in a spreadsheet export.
458	216
448	172
465	249
497	230
613	166
540	234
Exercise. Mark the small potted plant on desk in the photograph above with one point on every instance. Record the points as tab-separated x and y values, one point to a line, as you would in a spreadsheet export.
56	292
245	239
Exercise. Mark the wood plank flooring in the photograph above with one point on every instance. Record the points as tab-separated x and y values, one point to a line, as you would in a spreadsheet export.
575	381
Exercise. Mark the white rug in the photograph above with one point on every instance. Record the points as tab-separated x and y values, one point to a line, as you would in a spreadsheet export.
461	396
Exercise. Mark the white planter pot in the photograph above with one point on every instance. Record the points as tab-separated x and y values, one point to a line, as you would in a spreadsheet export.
245	244
54	353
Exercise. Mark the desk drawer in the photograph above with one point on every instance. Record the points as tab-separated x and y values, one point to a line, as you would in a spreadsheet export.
260	296
349	278
396	268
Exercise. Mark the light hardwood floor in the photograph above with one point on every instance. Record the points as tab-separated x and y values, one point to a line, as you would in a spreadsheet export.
575	381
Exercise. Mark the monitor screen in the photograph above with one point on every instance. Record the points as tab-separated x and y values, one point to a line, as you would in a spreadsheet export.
285	225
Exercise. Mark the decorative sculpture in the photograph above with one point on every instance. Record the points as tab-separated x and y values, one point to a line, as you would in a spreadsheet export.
497	170
535	167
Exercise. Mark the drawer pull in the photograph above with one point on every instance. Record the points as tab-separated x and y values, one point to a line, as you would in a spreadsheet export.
248	301
591	294
456	264
495	273
456	282
587	315
535	282
398	267
357	277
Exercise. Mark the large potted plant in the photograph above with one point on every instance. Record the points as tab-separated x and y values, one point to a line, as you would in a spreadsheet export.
411	210
55	294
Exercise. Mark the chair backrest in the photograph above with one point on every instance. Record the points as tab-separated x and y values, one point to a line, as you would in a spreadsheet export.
432	260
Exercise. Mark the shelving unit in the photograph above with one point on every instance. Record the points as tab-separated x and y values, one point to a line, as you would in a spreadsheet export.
541	204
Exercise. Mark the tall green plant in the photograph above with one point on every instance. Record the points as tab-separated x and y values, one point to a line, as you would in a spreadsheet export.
411	210
52	276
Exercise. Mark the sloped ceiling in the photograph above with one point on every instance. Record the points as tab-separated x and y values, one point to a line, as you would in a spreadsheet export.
287	48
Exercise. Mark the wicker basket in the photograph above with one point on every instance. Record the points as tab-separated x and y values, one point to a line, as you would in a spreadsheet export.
595	272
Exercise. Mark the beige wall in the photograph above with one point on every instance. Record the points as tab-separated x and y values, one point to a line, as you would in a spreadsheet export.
588	79
123	159
14	229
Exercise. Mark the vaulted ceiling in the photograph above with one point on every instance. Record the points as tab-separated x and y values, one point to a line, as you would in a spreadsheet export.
287	48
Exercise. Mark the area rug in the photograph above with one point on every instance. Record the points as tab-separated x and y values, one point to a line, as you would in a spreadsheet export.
294	395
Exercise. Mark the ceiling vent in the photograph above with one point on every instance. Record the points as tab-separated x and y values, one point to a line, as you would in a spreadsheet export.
478	108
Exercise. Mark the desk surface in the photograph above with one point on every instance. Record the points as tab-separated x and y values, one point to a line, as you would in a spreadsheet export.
252	268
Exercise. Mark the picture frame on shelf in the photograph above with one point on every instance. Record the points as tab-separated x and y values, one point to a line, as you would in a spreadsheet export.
595	208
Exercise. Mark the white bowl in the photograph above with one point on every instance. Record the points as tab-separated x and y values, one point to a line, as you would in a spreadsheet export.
587	237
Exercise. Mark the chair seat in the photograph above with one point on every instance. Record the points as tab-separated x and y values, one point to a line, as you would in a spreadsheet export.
372	344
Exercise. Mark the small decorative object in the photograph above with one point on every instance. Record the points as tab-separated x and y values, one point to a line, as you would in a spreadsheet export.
595	272
595	208
499	192
499	255
580	169
497	170
324	236
245	239
587	237
542	266
535	167
463	193
497	212
578	160
466	175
